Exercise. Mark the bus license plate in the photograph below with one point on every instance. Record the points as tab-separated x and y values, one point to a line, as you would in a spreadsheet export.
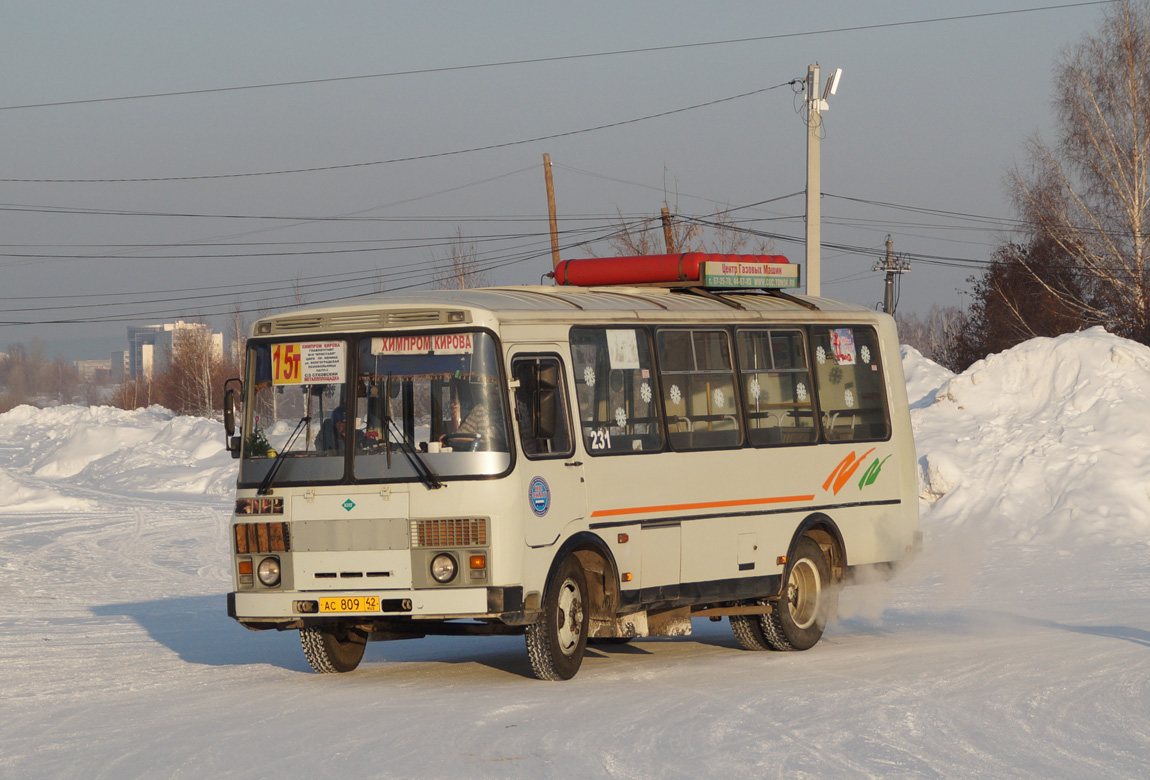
350	604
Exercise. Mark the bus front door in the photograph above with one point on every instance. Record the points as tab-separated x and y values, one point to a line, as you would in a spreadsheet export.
552	473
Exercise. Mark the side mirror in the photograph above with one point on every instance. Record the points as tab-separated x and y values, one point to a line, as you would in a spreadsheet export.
231	441
229	412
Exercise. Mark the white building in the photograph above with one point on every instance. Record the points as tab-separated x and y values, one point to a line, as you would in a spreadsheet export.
151	346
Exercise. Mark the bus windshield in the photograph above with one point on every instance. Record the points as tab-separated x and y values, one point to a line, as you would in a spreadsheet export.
414	404
436	394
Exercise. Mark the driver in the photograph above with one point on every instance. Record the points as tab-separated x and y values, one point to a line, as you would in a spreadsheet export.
333	433
476	425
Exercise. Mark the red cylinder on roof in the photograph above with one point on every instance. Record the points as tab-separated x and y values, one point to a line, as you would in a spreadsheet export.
646	269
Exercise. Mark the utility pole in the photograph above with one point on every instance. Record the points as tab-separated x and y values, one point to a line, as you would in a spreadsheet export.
668	233
551	211
893	267
816	105
814	182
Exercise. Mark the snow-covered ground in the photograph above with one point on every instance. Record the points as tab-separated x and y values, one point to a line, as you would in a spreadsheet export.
1017	645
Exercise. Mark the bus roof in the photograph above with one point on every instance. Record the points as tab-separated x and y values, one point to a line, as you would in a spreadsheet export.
523	304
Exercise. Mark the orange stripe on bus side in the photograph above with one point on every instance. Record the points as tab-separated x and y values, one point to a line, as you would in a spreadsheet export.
641	510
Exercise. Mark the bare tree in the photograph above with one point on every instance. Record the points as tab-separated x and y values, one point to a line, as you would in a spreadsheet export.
460	268
937	336
193	373
719	234
1088	193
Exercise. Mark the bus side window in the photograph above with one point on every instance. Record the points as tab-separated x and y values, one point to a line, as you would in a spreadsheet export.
541	408
697	375
776	385
852	402
615	388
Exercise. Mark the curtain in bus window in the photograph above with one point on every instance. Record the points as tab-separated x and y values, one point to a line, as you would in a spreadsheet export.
615	389
696	373
776	386
850	384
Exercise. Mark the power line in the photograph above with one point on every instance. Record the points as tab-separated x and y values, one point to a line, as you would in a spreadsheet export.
411	158
558	58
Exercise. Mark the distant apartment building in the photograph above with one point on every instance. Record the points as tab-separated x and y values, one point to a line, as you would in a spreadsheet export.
118	367
150	347
95	371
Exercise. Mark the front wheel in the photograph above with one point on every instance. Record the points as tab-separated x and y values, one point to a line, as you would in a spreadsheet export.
556	643
331	650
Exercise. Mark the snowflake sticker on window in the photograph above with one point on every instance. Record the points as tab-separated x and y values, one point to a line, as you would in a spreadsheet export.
849	399
621	417
645	393
864	354
718	397
801	392
820	355
589	376
676	394
756	389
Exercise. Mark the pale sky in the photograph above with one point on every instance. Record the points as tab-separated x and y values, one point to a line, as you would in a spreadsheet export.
928	116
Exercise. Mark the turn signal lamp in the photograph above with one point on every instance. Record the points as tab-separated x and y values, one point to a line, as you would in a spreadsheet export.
478	561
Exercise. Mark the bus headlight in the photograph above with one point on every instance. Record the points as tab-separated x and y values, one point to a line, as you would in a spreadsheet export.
269	572
443	568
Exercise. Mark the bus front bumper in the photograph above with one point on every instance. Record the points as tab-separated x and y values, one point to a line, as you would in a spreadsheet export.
292	609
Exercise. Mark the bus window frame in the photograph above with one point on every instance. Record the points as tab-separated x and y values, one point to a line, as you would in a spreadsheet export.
769	328
728	331
647	331
562	386
880	364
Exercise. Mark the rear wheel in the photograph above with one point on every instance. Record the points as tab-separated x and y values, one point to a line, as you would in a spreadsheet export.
797	619
556	643
332	650
748	630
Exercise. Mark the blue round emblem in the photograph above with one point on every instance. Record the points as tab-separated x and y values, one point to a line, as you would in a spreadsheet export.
540	496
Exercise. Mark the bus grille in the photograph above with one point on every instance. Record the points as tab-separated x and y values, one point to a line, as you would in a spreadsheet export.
262	537
448	533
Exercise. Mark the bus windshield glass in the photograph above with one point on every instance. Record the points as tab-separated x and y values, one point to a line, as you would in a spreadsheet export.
431	397
296	408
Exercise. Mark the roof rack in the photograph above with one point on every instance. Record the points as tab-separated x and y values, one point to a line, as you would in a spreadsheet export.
698	273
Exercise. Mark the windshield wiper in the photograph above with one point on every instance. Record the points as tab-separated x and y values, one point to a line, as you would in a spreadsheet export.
266	485
422	470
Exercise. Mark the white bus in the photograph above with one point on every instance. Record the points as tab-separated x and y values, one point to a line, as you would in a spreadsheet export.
572	463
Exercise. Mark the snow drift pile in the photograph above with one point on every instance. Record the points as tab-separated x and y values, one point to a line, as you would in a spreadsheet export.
1048	441
98	449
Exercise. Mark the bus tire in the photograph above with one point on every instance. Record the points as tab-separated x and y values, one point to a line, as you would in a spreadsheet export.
748	631
331	651
797	619
555	644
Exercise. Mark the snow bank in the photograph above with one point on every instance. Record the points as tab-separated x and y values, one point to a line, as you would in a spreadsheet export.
923	377
145	450
18	497
1047	441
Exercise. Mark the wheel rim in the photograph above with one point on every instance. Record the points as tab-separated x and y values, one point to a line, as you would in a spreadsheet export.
804	589
570	617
